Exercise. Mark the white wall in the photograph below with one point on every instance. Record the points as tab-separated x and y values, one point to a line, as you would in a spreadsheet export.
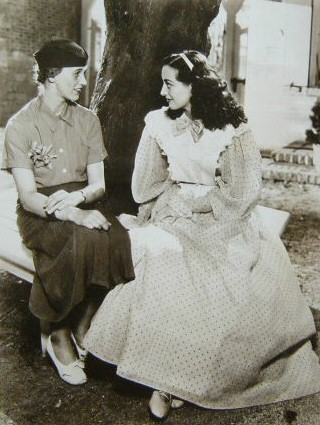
277	55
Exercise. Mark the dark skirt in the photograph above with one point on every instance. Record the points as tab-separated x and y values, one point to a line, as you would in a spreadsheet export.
69	258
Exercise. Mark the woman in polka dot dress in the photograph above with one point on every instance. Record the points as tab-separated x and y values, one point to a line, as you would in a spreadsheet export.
215	315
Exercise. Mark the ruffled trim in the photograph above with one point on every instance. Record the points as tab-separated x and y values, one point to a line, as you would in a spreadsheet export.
161	126
158	121
236	135
241	130
226	136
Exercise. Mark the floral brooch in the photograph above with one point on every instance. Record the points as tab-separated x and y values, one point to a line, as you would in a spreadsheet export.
41	156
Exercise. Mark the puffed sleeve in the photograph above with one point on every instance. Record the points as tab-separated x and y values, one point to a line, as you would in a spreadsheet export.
239	185
16	147
96	149
150	176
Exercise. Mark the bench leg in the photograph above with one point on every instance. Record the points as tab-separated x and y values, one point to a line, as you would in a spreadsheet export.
45	329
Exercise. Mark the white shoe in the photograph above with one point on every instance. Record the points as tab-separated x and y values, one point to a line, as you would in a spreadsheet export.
176	403
82	352
72	373
159	405
45	329
44	344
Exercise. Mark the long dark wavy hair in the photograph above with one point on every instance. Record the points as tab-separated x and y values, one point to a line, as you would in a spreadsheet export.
211	101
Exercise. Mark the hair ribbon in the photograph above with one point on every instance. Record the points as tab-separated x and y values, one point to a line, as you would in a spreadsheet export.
187	61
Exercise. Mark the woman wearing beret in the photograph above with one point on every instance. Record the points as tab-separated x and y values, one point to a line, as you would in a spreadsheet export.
215	315
55	151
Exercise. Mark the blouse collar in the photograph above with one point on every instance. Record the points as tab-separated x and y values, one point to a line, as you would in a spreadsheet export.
50	117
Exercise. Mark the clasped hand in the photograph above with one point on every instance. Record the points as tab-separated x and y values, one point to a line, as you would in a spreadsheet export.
92	219
63	205
62	199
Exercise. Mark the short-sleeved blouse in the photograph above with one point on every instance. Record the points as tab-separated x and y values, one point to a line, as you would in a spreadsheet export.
68	142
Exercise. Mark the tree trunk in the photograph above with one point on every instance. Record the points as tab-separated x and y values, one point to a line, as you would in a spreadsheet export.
139	34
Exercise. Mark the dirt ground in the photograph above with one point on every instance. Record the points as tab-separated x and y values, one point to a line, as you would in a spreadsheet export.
32	394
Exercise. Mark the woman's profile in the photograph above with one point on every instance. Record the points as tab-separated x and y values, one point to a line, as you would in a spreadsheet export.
215	315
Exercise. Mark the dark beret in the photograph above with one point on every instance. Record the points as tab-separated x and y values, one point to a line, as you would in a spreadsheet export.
61	54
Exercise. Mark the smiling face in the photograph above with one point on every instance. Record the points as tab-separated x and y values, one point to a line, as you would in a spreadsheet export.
69	82
177	94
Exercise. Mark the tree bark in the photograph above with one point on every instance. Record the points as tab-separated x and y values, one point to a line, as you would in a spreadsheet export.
139	34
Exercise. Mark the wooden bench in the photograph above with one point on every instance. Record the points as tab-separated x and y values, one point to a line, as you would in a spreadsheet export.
17	259
14	256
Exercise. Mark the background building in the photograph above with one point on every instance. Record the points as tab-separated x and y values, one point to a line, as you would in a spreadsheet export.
268	50
25	25
271	57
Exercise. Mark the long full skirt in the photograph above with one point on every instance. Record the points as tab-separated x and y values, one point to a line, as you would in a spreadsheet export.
214	316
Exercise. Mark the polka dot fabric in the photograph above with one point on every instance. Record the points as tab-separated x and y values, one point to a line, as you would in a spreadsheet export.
215	315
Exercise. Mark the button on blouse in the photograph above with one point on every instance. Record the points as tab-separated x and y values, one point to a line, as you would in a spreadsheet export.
57	148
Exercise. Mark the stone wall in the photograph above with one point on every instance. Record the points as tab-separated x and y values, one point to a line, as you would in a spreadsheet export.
24	26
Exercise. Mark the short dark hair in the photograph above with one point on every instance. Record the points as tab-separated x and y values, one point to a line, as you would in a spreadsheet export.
42	74
211	100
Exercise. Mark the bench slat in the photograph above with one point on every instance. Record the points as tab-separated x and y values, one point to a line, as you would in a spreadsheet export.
17	259
14	251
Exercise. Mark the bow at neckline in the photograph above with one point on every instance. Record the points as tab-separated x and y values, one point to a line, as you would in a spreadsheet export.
183	123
